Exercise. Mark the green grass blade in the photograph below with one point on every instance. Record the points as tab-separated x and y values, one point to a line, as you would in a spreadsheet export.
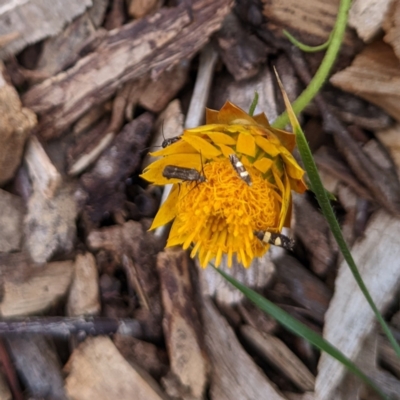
299	329
327	210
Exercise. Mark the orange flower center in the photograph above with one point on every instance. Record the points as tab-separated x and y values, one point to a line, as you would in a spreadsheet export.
220	215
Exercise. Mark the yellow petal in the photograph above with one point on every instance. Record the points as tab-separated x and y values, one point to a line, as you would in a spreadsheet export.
246	144
267	146
221	138
167	211
226	150
263	165
286	195
292	168
298	185
206	149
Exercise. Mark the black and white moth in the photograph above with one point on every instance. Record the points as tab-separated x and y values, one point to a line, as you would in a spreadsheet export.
169	141
240	169
276	239
185	174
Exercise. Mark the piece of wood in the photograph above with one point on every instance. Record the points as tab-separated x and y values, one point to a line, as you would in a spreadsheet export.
241	53
11	221
349	318
367	17
96	370
44	175
151	358
274	351
62	50
132	241
5	392
234	374
38	366
157	94
304	288
122	55
375	76
49	224
312	231
257	276
35	288
391	26
83	297
105	182
181	323
242	93
140	8
390	138
16	123
35	20
311	22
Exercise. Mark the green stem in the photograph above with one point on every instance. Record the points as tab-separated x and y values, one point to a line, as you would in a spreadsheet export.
324	69
304	47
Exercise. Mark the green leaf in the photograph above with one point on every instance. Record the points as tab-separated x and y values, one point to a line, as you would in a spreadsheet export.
253	104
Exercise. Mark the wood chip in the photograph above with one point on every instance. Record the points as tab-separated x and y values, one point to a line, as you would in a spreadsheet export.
104	183
241	53
157	94
304	288
274	351
312	231
349	318
310	22
375	76
390	138
257	276
391	26
96	370
36	290
38	366
44	175
62	50
181	323
118	58
35	20
49	224
83	298
11	221
367	17
234	374
140	8
15	125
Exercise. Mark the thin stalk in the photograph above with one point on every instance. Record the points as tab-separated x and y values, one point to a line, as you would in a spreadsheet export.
324	69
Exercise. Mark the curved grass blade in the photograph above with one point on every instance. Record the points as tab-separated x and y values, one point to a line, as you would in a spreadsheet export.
327	210
300	329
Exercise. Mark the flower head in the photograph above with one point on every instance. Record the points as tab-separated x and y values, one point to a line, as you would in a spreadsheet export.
219	213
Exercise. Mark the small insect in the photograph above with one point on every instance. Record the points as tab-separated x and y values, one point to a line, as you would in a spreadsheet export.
169	141
276	239
240	169
185	174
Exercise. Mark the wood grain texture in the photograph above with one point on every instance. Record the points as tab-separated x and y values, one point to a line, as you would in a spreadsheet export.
35	20
349	318
149	45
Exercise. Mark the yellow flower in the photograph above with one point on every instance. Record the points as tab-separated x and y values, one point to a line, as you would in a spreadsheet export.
220	215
